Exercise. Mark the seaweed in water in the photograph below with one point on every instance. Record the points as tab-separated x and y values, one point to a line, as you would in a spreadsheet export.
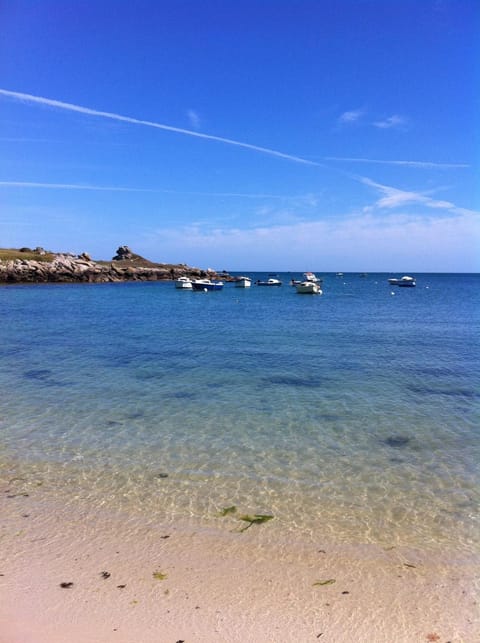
397	441
256	519
37	374
291	380
227	510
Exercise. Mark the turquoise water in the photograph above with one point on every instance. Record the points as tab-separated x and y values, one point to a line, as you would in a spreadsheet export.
354	414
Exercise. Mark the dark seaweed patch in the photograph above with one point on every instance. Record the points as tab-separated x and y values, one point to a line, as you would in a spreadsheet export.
41	374
150	375
183	395
454	392
397	441
329	417
436	371
291	380
134	415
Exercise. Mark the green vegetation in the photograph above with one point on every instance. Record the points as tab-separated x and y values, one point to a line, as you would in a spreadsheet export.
330	581
227	510
8	254
255	519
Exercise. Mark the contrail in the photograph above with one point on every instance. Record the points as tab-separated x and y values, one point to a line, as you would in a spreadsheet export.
111	188
69	186
39	100
424	164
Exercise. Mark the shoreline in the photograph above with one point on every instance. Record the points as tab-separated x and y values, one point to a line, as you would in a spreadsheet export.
178	580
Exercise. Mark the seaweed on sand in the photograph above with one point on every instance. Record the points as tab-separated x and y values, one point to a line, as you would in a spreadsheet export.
255	519
330	581
227	510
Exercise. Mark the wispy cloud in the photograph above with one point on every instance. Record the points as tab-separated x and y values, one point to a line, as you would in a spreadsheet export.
309	199
394	198
390	122
361	241
48	102
193	119
419	164
70	186
351	116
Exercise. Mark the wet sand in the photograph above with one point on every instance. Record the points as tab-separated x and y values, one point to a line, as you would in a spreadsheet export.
148	581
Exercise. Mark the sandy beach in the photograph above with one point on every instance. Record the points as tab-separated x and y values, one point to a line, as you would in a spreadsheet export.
134	581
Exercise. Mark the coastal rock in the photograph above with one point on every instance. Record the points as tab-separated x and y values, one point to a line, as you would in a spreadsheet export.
66	268
123	254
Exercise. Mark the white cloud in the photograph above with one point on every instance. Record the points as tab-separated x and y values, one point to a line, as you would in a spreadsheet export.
359	242
394	121
193	119
351	116
393	198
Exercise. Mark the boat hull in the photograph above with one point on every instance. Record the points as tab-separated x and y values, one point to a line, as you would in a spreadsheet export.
183	285
270	282
243	282
201	286
309	288
404	282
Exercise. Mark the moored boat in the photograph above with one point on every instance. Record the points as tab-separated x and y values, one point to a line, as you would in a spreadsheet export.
404	282
309	288
269	282
243	282
311	276
183	283
206	284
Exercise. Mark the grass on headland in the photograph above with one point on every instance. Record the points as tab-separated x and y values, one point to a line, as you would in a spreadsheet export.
9	254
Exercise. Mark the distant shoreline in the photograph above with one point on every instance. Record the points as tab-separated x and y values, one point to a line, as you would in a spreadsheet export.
26	266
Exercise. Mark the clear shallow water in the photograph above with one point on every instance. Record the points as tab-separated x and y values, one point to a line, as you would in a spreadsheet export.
354	414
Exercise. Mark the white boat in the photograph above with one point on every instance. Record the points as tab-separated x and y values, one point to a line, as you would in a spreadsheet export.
309	288
243	282
404	282
270	282
206	284
184	283
311	276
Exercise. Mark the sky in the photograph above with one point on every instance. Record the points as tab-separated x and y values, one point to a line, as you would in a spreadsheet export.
327	135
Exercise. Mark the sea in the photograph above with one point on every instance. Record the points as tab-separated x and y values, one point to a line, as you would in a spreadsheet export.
353	415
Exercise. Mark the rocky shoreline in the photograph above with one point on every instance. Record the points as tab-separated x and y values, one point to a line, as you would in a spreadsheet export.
70	268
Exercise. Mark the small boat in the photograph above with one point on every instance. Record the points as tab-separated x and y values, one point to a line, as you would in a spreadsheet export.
404	282
307	276
309	288
311	276
339	274
243	282
183	283
206	284
270	282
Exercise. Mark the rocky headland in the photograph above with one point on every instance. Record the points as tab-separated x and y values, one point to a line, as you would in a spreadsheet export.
40	266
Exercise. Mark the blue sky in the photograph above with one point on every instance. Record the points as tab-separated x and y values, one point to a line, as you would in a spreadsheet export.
265	135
